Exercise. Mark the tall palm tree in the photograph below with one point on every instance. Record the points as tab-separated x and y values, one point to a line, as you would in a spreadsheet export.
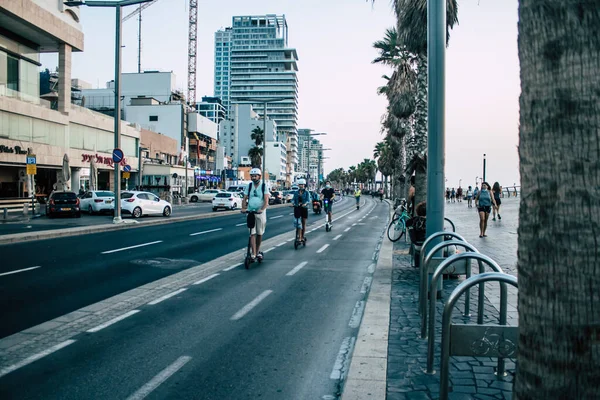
258	136
559	149
255	153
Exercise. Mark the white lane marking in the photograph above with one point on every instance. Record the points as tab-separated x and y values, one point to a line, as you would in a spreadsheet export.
340	367
131	247
242	224
248	307
35	357
353	224
371	268
357	313
268	250
208	278
366	284
167	296
20	270
337	237
281	244
209	231
232	267
297	268
160	378
347	229
278	216
291	214
112	321
323	248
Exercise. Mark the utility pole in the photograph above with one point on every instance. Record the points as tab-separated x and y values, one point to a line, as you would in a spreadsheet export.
484	167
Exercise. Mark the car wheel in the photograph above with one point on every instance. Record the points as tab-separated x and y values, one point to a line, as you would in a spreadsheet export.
214	208
234	206
194	199
90	210
167	211
137	212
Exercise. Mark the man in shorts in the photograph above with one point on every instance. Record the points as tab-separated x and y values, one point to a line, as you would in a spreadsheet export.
256	199
328	193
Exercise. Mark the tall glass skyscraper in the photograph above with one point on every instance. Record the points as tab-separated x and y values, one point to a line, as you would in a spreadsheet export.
253	61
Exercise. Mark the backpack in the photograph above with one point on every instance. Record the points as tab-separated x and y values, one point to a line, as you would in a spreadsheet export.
252	184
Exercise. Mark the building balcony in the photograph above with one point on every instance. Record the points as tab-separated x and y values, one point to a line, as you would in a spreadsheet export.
6	92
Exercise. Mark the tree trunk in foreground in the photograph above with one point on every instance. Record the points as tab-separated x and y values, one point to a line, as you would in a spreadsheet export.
559	217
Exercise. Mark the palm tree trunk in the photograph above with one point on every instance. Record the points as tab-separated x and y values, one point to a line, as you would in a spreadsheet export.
420	185
421	105
559	215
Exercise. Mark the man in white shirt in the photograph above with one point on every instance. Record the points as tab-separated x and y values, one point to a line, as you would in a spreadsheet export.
256	199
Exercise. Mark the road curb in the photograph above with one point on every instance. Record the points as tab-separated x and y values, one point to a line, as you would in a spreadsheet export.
56	233
367	375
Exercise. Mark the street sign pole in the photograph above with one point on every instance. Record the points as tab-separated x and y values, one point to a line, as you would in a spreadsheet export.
117	215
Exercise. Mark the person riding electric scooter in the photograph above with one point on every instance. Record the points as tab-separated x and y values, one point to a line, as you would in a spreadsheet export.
300	202
328	196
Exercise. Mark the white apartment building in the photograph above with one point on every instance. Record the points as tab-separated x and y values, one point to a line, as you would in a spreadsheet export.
261	66
27	122
276	161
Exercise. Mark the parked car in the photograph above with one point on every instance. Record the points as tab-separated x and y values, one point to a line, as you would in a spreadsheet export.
96	201
276	197
226	200
63	203
144	203
234	189
206	195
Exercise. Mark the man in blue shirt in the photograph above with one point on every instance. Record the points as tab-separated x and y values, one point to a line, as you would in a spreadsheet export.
256	199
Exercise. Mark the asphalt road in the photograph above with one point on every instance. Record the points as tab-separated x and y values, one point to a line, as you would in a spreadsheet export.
280	330
43	223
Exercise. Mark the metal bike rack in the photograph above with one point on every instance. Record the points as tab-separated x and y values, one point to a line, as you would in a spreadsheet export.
428	268
423	271
482	259
474	340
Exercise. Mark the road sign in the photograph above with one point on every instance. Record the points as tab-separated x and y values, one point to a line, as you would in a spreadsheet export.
31	169
127	168
117	155
126	175
31	159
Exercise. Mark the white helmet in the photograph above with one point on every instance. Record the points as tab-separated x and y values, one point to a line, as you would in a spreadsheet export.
255	171
301	182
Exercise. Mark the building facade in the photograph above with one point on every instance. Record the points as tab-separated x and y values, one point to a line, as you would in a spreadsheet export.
28	124
261	66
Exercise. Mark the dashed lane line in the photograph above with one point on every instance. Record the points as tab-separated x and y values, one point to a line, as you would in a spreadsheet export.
20	270
131	247
322	249
347	229
297	268
203	232
337	237
167	296
160	378
35	357
208	278
248	307
232	267
112	321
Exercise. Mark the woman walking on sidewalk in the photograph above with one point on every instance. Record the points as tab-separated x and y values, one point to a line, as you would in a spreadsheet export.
484	202
496	190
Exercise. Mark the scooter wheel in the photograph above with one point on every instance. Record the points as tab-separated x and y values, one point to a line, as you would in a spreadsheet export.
247	263
296	245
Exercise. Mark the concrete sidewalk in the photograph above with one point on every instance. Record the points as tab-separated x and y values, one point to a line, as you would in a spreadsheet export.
389	360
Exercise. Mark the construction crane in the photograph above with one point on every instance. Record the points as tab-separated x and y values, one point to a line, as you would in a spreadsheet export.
192	46
138	12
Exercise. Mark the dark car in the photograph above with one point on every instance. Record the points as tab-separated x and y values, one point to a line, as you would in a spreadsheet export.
63	203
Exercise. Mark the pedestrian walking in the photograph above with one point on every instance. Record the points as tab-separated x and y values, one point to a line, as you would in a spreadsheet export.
447	195
484	202
453	195
496	191
459	194
475	193
469	197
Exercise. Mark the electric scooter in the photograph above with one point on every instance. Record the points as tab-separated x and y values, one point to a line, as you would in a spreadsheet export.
250	223
326	207
298	226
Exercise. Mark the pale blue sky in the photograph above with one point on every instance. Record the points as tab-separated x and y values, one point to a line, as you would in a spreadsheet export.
337	82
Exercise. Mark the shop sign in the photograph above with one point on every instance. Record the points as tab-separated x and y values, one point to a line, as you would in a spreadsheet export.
86	158
12	150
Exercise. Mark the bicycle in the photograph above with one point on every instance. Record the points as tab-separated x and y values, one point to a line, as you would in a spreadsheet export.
250	223
397	227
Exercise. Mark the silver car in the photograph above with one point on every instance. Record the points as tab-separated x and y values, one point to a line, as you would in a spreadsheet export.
96	201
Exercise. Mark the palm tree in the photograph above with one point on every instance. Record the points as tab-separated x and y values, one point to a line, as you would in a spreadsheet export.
258	135
255	153
559	145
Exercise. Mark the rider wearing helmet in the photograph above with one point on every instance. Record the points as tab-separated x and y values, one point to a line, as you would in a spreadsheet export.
256	199
328	193
301	201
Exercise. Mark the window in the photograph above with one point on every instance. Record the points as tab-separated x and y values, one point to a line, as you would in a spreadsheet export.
153	118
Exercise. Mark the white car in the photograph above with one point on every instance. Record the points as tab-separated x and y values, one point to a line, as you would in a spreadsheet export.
207	195
96	201
226	200
144	203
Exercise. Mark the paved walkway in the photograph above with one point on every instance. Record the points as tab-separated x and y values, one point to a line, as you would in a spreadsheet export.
470	378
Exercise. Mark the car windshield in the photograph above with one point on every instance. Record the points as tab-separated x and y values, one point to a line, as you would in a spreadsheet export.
223	195
105	194
64	195
126	195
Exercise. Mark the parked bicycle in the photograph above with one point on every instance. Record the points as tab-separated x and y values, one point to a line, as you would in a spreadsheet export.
397	227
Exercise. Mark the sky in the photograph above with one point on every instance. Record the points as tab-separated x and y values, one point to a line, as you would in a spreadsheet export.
337	81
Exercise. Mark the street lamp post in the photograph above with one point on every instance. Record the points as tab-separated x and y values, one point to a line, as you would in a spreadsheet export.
117	5
319	163
484	167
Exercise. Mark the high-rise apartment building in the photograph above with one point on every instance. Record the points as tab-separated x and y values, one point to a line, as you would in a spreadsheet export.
254	63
